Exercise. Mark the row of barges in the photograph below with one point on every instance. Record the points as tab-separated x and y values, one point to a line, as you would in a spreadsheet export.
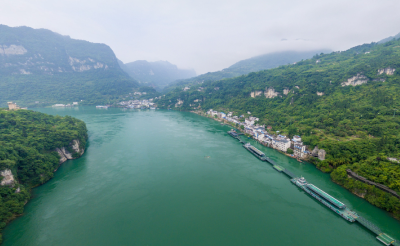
318	194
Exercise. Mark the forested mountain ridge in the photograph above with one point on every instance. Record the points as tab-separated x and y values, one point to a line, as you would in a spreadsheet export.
344	102
40	65
157	74
389	39
254	64
29	142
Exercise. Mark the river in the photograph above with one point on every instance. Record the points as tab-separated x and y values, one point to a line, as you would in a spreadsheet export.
175	178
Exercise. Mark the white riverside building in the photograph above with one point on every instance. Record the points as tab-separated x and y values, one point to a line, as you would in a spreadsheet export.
281	143
260	134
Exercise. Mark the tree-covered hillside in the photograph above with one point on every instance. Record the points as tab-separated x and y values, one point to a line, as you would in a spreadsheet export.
40	65
157	74
345	102
254	64
27	148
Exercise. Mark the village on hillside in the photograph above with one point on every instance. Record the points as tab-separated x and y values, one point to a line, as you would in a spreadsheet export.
267	138
138	104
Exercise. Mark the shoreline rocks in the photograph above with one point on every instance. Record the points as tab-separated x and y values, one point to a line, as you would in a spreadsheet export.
66	155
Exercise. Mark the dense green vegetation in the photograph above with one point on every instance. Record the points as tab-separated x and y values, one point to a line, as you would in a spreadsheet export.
101	87
352	123
379	170
157	74
27	147
50	68
254	64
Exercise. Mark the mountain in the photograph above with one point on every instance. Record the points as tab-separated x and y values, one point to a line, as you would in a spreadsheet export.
254	64
346	103
41	65
157	74
389	39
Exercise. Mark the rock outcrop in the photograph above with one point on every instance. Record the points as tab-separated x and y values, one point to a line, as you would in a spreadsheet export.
12	50
84	65
355	80
387	71
8	177
320	153
270	93
66	155
256	93
286	91
179	103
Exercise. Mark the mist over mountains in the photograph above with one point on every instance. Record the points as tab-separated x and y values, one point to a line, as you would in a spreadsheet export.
157	74
254	64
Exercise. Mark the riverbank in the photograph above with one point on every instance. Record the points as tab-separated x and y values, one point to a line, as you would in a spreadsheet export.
373	195
304	158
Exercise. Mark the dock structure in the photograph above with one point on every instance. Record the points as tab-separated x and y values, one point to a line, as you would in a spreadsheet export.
383	237
278	168
289	173
323	197
271	161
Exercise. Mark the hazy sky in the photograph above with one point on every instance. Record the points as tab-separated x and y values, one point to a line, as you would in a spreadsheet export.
209	35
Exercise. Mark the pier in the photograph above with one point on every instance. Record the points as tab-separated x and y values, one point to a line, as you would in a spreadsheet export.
321	196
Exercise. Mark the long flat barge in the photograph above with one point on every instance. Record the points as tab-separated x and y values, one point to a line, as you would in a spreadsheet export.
259	154
329	201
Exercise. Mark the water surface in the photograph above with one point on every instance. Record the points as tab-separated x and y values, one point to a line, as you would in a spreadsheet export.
172	178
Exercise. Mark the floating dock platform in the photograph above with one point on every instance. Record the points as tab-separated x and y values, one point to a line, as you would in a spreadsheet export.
278	168
234	134
259	154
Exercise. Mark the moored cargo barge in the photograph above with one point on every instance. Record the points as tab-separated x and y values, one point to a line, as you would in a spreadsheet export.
329	201
259	154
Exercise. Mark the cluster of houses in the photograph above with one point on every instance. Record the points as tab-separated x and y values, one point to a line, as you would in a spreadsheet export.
259	133
138	104
74	104
139	93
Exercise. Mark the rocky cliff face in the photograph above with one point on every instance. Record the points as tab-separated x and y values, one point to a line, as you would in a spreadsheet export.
256	93
270	93
355	80
66	155
8	178
30	51
387	71
12	50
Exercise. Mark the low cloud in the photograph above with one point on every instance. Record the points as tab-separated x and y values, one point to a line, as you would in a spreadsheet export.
209	35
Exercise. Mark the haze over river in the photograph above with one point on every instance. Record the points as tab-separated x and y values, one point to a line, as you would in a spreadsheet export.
173	178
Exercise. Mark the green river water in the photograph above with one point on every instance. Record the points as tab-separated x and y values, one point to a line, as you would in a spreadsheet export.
173	178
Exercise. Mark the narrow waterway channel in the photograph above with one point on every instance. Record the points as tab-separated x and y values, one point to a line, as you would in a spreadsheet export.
173	178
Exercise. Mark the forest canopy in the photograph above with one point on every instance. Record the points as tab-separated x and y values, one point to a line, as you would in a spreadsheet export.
27	147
